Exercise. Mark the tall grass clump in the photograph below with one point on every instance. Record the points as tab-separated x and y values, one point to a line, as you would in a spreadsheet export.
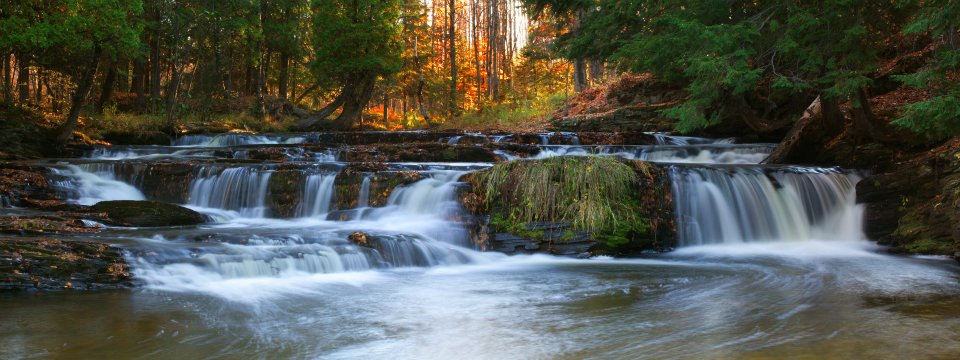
593	193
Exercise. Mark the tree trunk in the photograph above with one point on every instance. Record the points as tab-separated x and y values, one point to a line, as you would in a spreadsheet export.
23	79
172	89
476	53
155	65
357	99
386	110
306	92
866	124
284	75
453	59
54	97
140	81
83	88
108	84
7	78
314	119
579	75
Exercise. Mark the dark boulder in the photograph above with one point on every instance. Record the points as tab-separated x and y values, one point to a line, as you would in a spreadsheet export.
147	213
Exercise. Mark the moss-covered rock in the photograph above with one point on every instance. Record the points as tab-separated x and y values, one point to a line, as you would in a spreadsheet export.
915	208
349	181
45	264
572	204
147	213
285	192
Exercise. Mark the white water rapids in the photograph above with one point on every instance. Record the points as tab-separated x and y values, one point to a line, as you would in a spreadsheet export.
771	263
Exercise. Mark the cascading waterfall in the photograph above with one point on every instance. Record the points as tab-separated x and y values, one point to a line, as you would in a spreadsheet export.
95	184
363	199
239	189
729	205
317	195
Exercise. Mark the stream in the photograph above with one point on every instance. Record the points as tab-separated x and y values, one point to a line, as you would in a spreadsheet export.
771	262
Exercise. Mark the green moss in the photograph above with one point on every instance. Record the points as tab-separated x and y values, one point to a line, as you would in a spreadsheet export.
930	246
590	193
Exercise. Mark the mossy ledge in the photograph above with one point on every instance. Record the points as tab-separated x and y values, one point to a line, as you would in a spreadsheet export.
571	206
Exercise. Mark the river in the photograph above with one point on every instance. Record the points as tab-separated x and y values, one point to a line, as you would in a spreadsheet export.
771	263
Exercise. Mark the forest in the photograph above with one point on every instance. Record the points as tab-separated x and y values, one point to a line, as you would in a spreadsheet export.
409	64
480	179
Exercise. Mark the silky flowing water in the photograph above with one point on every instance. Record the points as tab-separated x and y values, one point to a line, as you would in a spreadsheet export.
770	263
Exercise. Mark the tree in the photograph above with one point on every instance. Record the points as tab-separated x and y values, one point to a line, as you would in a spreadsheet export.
355	42
63	33
937	117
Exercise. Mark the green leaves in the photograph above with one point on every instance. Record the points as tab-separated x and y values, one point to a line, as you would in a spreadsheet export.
356	36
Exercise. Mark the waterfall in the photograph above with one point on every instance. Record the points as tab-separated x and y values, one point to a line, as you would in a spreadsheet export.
363	199
430	196
224	140
317	195
240	189
726	205
95	185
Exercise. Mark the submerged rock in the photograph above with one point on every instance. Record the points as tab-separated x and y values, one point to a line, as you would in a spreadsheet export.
147	213
61	265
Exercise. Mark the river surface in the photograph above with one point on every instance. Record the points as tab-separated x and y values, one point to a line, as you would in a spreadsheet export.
771	264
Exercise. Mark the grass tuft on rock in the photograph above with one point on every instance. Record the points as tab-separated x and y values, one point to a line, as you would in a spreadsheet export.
592	193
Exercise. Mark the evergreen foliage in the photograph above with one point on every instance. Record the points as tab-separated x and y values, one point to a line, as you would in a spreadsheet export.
938	116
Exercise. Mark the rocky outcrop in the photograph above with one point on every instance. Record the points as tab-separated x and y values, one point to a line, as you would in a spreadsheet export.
44	264
915	206
424	152
621	207
147	214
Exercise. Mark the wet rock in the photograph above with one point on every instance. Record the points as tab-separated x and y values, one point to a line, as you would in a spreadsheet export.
45	264
915	206
423	152
138	137
359	238
43	224
349	181
285	192
268	154
25	186
147	213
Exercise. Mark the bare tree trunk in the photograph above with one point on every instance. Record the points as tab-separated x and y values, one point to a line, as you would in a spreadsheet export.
7	78
579	75
476	52
155	64
420	82
106	92
284	75
83	88
139	85
173	88
38	87
23	78
493	46
54	97
453	59
386	110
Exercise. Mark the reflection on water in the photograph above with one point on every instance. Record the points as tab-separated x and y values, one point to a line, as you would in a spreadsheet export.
702	303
